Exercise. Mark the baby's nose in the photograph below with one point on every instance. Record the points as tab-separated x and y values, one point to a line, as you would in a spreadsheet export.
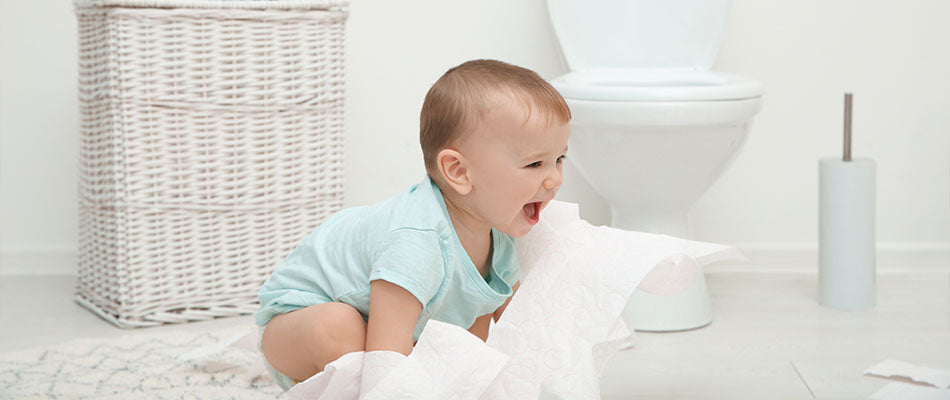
554	182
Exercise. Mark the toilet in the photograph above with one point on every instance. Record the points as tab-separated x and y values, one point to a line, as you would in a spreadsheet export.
653	125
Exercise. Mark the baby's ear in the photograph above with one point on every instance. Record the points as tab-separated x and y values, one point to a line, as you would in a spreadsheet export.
451	165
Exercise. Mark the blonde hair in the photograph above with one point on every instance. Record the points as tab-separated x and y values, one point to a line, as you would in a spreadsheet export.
466	92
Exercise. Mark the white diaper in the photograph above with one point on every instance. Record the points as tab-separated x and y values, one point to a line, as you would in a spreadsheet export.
280	379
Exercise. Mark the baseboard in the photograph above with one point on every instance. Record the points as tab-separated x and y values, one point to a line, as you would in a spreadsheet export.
803	257
763	257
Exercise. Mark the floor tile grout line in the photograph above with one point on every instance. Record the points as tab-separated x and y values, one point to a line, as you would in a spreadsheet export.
802	378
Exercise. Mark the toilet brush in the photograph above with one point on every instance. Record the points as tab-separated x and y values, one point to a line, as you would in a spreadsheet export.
846	264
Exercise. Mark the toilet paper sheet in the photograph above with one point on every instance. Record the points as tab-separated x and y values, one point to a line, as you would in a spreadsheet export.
909	391
939	378
556	335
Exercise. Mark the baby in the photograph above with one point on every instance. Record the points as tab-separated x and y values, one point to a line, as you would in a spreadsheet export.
493	138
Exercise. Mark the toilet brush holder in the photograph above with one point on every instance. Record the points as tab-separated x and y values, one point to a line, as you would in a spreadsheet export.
846	265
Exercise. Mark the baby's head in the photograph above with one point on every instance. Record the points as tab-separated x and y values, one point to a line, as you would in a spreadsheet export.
493	138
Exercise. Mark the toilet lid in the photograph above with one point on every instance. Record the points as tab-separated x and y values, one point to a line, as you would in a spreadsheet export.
655	85
639	33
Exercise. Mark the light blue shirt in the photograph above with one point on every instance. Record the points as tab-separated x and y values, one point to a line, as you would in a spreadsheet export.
408	240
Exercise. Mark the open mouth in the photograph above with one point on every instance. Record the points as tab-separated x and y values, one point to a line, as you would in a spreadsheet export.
532	212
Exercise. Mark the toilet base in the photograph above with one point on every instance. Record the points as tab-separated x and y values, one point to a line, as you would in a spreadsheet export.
664	313
657	313
667	222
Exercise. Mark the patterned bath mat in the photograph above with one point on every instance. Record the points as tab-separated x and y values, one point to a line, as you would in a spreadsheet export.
138	366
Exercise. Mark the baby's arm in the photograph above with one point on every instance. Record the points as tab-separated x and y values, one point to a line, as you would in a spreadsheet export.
393	314
500	310
480	327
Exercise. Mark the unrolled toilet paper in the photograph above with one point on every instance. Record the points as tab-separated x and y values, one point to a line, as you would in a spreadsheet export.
556	335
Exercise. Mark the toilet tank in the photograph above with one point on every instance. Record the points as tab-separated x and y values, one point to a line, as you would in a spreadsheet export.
597	34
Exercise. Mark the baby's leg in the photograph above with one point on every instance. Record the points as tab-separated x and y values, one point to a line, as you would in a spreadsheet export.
300	343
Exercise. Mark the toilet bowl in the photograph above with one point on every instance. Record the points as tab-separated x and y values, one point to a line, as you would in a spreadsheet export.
653	127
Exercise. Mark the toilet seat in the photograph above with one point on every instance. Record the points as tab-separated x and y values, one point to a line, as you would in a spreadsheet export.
666	84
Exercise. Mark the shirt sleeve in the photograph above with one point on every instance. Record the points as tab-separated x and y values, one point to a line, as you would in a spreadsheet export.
412	259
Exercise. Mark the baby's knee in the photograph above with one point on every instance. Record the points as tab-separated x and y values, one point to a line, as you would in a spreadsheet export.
343	328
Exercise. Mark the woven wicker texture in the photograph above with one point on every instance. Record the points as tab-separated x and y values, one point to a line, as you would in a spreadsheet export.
211	144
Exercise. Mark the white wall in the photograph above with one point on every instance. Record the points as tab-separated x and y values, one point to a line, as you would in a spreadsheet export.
892	55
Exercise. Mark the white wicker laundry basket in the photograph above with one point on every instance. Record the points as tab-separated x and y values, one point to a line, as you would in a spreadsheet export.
211	144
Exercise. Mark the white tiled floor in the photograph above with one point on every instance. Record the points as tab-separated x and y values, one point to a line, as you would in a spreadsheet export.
769	338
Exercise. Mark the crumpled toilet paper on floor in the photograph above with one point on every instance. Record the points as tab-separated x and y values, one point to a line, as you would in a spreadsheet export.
902	369
557	333
940	378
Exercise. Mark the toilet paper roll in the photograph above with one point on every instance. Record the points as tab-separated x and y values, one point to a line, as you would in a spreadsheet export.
846	272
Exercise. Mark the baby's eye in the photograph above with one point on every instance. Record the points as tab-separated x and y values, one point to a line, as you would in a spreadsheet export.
535	164
561	159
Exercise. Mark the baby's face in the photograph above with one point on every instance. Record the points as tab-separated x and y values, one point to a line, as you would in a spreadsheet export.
515	166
